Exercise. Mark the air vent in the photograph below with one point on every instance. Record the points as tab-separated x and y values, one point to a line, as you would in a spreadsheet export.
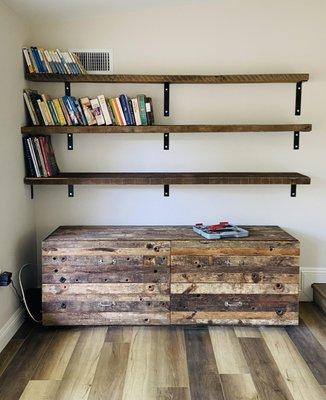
95	61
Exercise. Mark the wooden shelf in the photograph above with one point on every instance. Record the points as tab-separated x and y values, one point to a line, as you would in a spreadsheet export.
172	178
208	79
36	130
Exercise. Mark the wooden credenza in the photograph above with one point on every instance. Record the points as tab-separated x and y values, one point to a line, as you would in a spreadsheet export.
161	275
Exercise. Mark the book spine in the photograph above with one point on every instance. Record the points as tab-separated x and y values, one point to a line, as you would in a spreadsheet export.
37	59
65	111
70	110
80	113
44	70
78	62
133	121
39	156
115	110
30	171
142	109
64	61
125	108
32	152
135	107
104	108
97	111
45	61
42	109
47	110
33	61
59	111
119	107
30	109
149	111
111	112
45	156
54	166
28	60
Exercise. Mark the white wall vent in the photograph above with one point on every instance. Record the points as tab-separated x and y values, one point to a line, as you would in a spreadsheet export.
96	61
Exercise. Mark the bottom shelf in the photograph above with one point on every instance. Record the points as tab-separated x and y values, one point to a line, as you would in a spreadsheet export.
172	178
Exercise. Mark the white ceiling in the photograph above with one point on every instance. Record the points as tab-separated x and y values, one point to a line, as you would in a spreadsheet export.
37	10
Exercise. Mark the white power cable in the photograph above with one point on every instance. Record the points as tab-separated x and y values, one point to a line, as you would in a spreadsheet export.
23	293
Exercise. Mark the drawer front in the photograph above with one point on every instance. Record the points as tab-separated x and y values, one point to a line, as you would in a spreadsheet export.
106	283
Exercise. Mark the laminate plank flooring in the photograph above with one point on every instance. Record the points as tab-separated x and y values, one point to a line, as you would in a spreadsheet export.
167	363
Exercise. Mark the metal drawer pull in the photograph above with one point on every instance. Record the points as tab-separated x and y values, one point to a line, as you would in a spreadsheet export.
234	304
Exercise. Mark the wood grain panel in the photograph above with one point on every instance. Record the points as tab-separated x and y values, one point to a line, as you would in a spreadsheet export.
239	387
227	350
234	288
110	373
204	379
173	393
315	319
293	368
310	349
80	371
40	390
265	374
232	318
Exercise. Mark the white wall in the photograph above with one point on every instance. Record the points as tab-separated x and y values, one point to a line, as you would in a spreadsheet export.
202	37
17	233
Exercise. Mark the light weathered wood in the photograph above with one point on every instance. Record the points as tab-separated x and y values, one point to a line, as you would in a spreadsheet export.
227	350
265	374
41	390
110	373
140	374
172	178
79	374
239	387
315	319
247	331
173	393
54	362
119	334
294	370
234	288
109	129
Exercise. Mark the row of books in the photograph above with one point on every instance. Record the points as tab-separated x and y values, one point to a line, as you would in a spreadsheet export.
41	61
67	110
39	156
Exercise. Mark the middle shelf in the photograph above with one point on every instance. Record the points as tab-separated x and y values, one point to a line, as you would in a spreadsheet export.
82	129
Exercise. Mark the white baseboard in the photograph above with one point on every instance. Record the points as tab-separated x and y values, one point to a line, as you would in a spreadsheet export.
11	327
307	278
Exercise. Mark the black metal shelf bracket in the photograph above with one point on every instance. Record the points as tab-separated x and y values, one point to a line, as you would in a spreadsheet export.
166	190
67	89
166	141
70	141
296	142
166	99
71	192
298	95
32	192
293	190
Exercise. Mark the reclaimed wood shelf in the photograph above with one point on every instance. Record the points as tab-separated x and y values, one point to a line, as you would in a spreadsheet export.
172	178
191	79
36	130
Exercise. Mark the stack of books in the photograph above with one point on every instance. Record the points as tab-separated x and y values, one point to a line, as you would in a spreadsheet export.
44	61
39	156
67	110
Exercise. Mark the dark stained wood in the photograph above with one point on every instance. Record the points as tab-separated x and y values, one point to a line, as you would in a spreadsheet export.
265	374
310	349
20	370
37	130
204	380
226	302
173	393
319	290
8	353
208	79
172	178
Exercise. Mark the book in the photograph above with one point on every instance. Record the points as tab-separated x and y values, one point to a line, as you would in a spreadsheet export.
104	108
34	96
87	110
30	108
149	110
115	111
39	157
43	147
32	152
142	109
120	111
53	111
59	111
135	108
78	111
97	111
30	170
64	109
43	111
111	112
133	121
73	117
125	108
45	99
53	162
28	60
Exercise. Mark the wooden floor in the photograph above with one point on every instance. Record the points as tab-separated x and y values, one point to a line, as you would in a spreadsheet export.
165	363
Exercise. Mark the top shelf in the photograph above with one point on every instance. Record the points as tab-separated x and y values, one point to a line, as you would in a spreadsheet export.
191	79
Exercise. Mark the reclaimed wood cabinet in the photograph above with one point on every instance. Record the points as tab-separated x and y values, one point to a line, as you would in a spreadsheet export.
161	275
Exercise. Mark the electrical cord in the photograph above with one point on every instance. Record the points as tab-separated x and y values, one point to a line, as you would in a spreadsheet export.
22	297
